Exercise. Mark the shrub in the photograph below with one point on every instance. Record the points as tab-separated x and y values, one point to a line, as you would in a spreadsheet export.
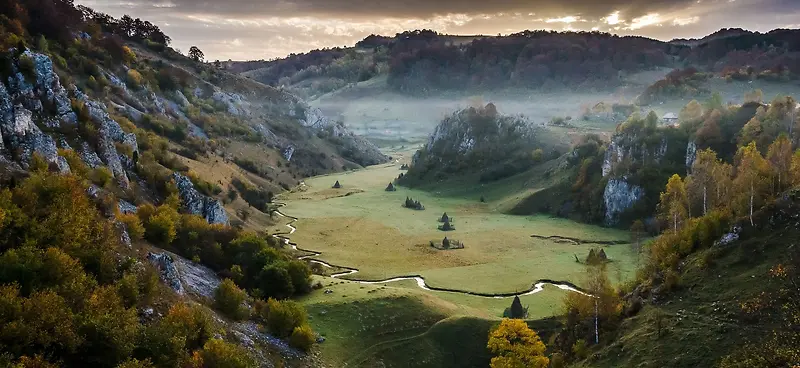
127	55
161	226
134	79
284	316
128	289
27	67
38	163
228	299
218	353
191	322
274	280
101	176
76	164
133	225
134	363
302	337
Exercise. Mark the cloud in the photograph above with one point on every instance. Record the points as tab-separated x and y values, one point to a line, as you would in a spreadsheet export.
256	29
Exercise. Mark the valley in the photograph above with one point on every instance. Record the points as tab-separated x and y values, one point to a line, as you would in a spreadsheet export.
362	226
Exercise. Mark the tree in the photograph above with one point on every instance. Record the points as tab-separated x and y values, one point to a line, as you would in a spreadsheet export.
715	102
779	156
674	203
795	168
750	179
515	345
195	54
754	96
517	310
637	233
691	112
709	134
228	299
709	174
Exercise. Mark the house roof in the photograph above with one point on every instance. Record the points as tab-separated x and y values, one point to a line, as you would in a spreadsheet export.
670	115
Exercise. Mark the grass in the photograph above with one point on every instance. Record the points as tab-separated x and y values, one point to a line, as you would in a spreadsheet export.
703	321
400	325
369	230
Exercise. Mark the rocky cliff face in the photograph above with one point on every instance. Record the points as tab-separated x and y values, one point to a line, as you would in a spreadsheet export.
618	197
353	147
197	204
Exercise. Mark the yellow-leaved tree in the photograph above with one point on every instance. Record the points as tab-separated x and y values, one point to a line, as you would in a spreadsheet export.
709	182
673	205
515	345
750	182
779	157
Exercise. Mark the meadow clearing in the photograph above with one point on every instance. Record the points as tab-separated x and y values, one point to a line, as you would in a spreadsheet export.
361	225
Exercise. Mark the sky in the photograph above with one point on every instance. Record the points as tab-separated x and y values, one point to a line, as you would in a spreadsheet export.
267	29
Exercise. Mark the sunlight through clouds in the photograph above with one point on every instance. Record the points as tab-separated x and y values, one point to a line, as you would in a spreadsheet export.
247	29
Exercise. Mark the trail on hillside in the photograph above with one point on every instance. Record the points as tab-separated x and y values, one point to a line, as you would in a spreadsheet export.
535	288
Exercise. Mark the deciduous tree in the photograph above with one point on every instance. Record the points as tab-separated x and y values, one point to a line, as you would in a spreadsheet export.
779	157
710	176
514	345
750	183
674	203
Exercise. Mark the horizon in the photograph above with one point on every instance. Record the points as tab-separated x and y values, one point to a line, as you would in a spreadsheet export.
245	30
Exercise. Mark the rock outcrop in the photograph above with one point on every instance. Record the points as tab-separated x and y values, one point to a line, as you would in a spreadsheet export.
169	272
483	130
352	147
691	154
197	204
618	197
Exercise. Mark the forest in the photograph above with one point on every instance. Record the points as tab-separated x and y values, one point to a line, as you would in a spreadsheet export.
422	61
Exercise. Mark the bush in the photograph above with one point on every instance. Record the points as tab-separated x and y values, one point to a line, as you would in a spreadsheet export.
134	363
284	316
134	79
228	299
274	280
302	337
101	176
28	68
133	225
161	226
217	353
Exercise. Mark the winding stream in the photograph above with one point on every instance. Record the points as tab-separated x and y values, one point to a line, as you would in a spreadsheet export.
537	286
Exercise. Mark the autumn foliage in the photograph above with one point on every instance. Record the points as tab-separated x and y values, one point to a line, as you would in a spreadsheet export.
514	344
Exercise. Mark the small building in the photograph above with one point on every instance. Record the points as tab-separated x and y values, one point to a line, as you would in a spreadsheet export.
391	188
337	185
445	218
670	119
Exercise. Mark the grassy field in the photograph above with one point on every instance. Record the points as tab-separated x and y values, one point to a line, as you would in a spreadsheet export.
363	226
366	325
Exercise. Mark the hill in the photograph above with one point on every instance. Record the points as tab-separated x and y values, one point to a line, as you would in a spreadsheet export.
425	62
477	140
122	163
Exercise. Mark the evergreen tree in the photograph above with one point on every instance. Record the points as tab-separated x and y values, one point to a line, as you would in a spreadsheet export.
517	311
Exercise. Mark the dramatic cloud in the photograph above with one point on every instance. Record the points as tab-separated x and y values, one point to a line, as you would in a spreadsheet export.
256	29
